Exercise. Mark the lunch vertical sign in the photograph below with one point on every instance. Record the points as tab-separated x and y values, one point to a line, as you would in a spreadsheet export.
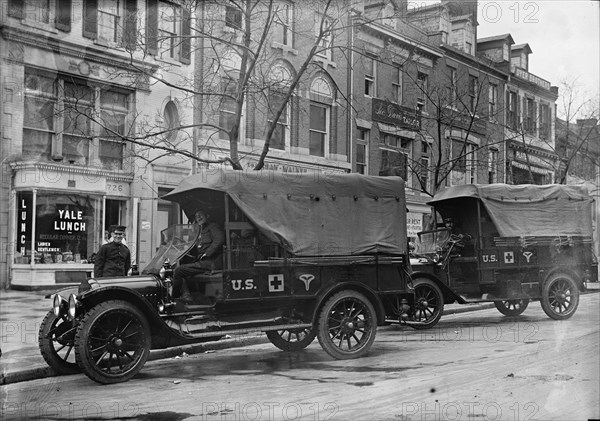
24	222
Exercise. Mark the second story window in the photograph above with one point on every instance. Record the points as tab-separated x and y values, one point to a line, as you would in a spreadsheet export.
283	22
362	151
324	49
110	27
233	17
111	22
464	159
397	84
492	102
370	78
529	109
544	118
492	165
511	110
281	136
41	13
169	31
319	129
57	120
227	108
452	86
473	93
422	87
424	165
114	109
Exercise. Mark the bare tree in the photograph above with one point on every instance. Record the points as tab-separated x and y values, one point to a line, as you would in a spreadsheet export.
577	133
454	100
236	68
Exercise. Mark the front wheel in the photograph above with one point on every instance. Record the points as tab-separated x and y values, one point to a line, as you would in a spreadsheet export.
511	307
560	297
292	339
112	342
429	304
56	340
347	325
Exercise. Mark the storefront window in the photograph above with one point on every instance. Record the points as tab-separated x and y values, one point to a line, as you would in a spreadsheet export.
65	229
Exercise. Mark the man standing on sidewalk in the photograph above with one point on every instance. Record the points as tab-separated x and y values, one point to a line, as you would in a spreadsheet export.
113	258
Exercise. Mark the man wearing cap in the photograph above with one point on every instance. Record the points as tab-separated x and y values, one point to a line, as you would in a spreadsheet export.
113	258
208	251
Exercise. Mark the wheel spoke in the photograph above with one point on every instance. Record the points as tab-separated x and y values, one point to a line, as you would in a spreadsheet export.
101	358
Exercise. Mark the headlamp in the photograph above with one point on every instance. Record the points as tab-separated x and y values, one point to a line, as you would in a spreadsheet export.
73	303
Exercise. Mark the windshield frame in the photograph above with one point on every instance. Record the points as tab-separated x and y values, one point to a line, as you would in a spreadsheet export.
177	240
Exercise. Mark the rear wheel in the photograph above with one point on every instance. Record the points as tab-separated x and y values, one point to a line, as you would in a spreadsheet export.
112	342
429	303
292	339
511	307
56	340
560	297
347	325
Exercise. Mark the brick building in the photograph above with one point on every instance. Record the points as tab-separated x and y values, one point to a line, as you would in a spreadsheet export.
75	79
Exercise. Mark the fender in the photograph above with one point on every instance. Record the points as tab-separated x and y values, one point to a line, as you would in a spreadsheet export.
544	275
355	286
449	295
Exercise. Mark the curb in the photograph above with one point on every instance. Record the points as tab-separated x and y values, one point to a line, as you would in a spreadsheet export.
159	354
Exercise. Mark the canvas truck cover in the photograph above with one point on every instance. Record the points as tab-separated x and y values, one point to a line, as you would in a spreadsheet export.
309	214
529	210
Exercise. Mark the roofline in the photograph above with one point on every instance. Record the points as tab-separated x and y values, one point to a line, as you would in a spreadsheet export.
431	50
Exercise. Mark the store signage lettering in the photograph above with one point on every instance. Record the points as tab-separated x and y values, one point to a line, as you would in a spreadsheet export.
388	112
24	221
528	157
69	221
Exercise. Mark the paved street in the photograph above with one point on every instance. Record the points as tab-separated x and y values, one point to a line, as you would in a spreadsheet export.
474	365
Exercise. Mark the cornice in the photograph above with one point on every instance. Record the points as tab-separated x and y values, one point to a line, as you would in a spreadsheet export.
532	149
91	54
71	169
380	30
473	61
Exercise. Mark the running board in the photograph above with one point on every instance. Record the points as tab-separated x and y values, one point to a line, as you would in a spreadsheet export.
215	331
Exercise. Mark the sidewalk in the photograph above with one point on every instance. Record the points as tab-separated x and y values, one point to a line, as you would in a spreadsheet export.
21	313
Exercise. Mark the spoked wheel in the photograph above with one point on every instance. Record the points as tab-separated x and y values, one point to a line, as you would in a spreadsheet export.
56	340
429	304
292	339
511	307
560	297
347	325
112	342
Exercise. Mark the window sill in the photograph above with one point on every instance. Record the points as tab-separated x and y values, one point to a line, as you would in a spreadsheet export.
168	60
47	27
108	44
285	48
326	62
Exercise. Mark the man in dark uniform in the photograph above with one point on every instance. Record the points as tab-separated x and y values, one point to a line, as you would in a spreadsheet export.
113	258
209	250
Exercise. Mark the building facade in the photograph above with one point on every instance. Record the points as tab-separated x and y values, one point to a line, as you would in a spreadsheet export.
530	110
76	83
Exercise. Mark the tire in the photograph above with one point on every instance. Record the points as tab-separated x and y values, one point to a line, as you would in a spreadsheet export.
347	325
112	342
56	340
429	304
511	307
292	340
560	297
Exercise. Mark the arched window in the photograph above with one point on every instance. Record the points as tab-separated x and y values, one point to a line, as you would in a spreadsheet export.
280	79
321	100
171	118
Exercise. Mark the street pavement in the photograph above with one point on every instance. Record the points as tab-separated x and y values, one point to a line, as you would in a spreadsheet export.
21	313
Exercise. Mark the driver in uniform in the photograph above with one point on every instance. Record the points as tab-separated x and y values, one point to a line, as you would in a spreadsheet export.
208	255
